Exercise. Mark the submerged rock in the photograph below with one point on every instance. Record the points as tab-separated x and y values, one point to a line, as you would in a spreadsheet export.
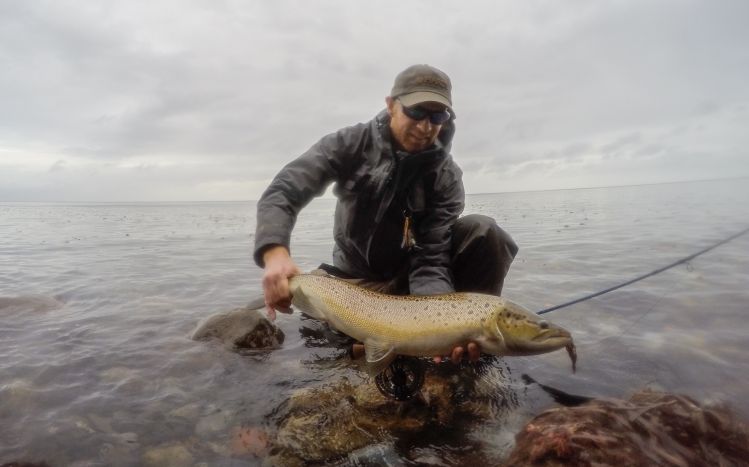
172	455
325	424
29	304
211	424
651	428
252	441
242	328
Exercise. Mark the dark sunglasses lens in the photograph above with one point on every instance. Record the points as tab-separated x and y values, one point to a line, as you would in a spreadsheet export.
439	118
418	113
415	113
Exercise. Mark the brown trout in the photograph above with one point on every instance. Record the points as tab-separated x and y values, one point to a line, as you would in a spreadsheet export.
425	326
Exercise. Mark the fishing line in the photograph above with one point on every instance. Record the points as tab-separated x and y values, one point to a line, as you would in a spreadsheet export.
644	276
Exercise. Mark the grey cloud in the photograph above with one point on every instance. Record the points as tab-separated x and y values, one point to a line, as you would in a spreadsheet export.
227	92
57	166
575	149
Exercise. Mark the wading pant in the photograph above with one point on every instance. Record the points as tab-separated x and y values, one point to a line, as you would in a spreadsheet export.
481	255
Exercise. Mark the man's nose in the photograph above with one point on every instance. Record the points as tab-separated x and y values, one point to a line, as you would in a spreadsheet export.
425	125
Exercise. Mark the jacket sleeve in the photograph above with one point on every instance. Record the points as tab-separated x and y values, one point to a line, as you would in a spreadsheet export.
294	187
430	262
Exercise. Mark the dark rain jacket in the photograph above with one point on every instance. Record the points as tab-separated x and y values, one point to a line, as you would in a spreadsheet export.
376	187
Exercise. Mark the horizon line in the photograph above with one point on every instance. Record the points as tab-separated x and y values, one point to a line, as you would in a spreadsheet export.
597	187
673	182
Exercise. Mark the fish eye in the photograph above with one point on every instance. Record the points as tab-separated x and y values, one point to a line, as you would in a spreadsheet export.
543	324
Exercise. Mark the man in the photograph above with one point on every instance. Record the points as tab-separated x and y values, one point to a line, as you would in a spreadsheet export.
399	193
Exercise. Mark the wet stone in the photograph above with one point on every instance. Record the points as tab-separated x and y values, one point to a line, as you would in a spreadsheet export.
241	328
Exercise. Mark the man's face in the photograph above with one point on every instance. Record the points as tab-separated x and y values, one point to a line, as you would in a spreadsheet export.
412	135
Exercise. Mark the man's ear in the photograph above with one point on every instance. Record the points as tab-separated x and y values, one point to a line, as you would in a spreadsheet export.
390	104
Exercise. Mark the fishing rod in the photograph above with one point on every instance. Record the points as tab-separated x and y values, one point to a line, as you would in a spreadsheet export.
644	276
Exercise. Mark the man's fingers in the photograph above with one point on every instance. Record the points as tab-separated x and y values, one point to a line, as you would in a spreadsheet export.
271	312
278	268
276	290
457	354
285	309
474	352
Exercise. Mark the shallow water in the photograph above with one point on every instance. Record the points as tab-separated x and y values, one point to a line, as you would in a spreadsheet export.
97	303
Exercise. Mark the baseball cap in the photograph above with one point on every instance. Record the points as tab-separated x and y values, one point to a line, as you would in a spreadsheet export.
422	83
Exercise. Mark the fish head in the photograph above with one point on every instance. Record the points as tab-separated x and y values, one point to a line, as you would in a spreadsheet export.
523	332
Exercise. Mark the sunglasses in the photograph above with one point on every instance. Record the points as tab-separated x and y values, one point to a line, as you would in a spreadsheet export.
436	117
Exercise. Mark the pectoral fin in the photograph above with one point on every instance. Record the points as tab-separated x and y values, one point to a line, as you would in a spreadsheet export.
378	356
376	351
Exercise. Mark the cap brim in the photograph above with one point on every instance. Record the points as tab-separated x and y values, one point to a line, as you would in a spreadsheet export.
420	97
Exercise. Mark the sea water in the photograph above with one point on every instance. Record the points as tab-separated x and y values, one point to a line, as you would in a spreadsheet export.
98	302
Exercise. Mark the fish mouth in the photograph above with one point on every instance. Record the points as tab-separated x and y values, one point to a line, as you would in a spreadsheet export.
547	340
539	345
556	336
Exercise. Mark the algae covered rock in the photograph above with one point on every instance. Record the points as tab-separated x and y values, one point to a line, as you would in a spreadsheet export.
241	328
651	428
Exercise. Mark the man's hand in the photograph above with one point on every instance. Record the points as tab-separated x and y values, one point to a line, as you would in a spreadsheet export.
474	352
278	269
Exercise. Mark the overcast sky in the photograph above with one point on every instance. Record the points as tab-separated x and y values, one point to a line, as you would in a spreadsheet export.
207	100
